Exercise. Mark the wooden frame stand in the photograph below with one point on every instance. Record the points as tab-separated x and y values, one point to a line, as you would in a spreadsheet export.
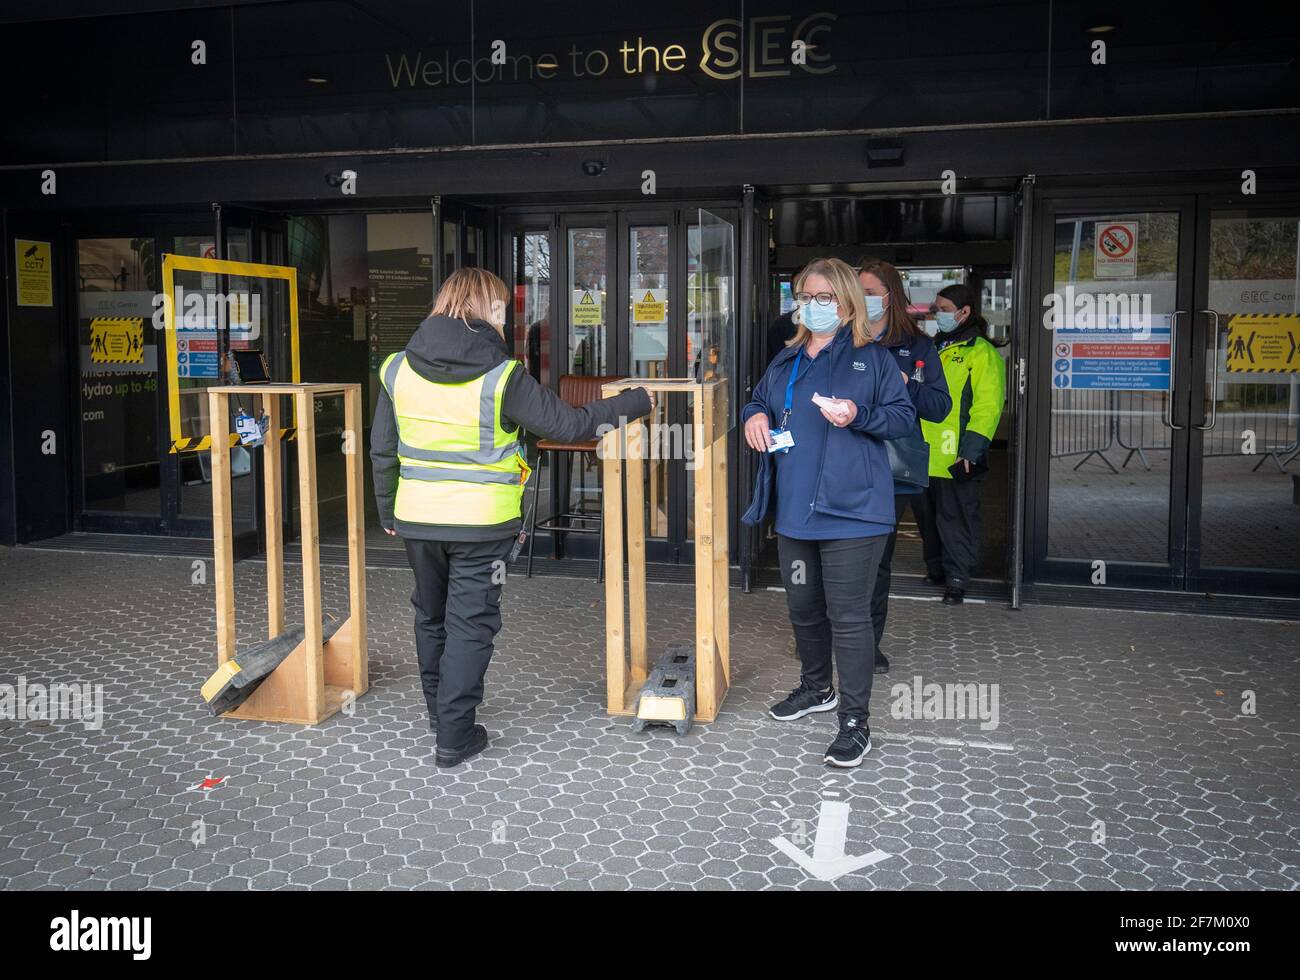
317	678
624	452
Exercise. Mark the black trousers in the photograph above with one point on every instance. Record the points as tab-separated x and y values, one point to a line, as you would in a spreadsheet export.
951	534
828	589
880	594
457	602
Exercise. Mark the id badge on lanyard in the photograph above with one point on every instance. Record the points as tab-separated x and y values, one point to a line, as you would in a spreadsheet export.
782	437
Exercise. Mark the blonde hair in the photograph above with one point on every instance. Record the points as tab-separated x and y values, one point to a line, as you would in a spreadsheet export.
848	297
472	294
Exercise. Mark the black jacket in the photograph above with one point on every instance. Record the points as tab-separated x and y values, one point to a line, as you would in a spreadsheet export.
445	350
932	399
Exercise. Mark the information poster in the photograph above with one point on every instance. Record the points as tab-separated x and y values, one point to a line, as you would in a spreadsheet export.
401	291
1112	358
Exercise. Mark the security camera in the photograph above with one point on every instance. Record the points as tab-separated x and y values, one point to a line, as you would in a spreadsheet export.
593	168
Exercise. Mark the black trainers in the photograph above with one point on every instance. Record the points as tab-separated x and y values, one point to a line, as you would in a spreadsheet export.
953	596
851	745
882	663
478	741
803	700
936	578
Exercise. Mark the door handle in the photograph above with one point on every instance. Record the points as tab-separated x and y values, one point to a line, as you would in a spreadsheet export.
1214	377
1173	367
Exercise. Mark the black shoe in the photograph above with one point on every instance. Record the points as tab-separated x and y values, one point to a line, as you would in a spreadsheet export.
478	740
803	700
953	596
882	663
851	745
935	578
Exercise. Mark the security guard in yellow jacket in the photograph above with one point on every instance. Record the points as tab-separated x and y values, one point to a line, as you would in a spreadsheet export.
449	480
959	445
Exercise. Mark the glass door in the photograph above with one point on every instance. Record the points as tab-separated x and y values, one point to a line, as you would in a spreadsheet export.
121	389
1244	514
626	293
650	313
1114	373
1168	396
710	325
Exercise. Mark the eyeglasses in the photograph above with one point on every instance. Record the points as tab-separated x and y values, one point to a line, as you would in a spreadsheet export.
823	299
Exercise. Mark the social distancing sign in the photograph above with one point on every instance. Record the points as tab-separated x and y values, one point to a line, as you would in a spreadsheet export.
1263	343
117	340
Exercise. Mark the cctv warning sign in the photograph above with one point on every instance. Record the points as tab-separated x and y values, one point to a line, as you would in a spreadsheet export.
34	273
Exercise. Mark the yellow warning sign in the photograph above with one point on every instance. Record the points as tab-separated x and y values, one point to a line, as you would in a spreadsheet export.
1263	343
117	340
652	307
587	309
34	273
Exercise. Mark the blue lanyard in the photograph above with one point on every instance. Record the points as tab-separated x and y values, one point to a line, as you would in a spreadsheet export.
789	388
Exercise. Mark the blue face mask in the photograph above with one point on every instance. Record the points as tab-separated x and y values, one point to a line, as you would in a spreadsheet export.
820	319
945	321
875	307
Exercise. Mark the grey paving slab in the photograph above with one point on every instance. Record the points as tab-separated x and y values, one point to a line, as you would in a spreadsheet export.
1125	752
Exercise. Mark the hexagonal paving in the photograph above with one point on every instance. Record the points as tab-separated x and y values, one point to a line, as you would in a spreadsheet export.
1121	759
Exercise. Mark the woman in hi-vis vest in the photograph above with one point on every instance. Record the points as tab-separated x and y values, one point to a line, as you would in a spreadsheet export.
449	480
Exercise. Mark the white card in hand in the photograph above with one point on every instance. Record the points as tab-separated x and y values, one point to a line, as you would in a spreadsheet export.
821	401
782	440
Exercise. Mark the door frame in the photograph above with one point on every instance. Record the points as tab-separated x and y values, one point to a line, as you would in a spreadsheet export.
160	228
1194	204
1220	578
617	217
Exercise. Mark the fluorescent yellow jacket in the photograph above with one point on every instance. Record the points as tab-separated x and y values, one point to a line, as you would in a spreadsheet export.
976	376
458	466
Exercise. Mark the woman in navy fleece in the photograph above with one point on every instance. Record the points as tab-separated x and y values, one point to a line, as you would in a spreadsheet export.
828	469
895	329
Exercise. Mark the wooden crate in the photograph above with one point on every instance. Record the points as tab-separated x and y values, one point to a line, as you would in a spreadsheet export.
623	453
317	678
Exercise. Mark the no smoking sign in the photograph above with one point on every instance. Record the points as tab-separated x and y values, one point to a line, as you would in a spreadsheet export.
1115	252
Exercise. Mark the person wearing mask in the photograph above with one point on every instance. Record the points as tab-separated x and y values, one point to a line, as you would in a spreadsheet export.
449	479
959	444
827	465
893	327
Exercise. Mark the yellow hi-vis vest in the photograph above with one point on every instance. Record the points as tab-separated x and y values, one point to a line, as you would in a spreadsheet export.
457	464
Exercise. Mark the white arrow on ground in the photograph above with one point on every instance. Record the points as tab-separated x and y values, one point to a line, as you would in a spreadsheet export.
828	860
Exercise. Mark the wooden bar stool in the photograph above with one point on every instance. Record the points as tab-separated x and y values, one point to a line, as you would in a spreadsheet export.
576	390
